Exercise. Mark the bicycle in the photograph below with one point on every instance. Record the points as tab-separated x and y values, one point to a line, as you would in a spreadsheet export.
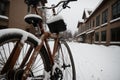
25	56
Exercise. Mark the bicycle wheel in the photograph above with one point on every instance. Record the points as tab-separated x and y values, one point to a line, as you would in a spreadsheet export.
64	68
9	38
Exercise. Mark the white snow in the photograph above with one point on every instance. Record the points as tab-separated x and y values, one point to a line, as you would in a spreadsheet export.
86	12
90	31
104	24
96	62
115	20
3	17
47	75
32	15
54	18
19	31
81	34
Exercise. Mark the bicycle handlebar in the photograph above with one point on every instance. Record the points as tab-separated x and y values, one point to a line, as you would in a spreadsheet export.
52	7
35	3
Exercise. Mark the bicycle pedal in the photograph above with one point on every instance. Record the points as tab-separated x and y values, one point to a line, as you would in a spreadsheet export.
65	66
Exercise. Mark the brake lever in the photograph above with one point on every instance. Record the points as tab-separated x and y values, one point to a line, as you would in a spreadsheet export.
65	4
68	7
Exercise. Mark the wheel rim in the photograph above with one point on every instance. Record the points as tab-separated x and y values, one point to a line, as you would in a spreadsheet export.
65	63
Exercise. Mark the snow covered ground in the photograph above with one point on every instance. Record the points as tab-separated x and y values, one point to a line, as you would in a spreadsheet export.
96	62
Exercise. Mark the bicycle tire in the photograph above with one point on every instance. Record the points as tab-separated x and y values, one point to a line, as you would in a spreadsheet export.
66	62
8	38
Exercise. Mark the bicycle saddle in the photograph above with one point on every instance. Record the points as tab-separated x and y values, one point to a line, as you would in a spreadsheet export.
33	19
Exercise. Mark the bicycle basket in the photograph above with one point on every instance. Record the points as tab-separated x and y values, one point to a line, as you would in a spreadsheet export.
56	24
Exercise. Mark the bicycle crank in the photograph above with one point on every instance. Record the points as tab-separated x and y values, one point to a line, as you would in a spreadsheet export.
58	75
18	74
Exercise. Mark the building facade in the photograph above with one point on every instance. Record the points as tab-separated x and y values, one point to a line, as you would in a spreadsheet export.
4	12
103	24
12	13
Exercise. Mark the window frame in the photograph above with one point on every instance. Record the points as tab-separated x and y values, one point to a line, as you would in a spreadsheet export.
98	21
96	36
105	16
115	34
103	35
116	9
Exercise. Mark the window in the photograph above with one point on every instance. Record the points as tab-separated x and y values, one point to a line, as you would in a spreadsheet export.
90	25
115	34
93	23
116	10
105	16
2	8
4	5
98	20
97	36
103	36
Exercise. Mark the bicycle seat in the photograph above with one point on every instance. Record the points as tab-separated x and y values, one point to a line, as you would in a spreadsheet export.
33	19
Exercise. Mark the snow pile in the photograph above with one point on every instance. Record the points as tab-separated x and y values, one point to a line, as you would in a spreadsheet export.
96	62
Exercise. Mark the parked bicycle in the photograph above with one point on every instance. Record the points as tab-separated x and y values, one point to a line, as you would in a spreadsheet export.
25	56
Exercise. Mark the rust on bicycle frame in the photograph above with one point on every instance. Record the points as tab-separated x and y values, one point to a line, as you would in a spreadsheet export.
34	56
26	57
50	35
54	36
56	43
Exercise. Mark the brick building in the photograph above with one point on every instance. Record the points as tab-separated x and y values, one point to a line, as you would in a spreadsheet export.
102	26
12	14
4	13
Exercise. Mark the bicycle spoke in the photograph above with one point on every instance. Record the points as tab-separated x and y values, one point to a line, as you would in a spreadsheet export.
9	48
37	66
38	70
1	54
69	73
37	62
5	57
1	63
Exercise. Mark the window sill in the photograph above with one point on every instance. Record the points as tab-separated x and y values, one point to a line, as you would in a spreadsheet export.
103	41
114	42
96	42
114	20
97	27
104	24
90	31
81	34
